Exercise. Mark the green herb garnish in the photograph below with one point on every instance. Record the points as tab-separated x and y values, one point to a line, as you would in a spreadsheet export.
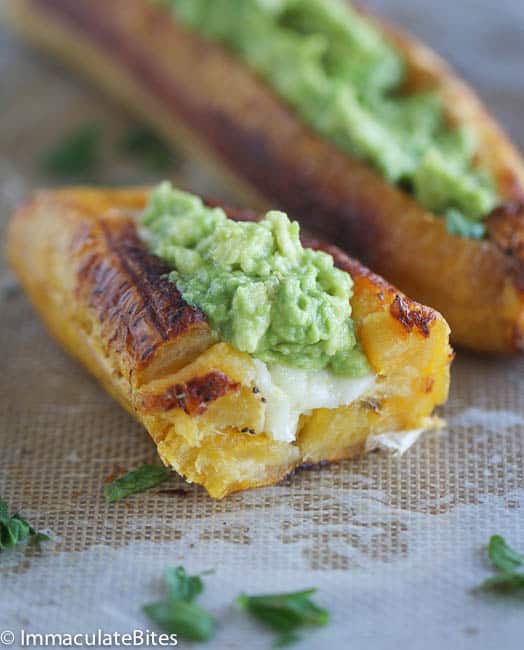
181	586
14	529
139	480
285	613
511	583
146	145
178	614
502	556
77	153
185	619
506	561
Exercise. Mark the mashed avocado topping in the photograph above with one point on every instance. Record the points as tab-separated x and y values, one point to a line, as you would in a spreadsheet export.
259	288
337	70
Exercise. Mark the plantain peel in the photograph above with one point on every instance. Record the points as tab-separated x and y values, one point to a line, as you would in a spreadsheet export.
206	404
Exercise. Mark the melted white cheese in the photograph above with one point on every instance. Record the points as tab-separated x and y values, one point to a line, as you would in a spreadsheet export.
396	442
291	392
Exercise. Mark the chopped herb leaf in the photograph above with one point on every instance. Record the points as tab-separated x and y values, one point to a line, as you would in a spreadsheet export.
178	614
181	586
146	145
77	153
508	582
284	613
458	224
506	561
185	619
14	529
139	480
502	556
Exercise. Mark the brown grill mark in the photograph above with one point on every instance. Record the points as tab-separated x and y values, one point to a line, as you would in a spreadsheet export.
410	318
164	305
195	396
128	290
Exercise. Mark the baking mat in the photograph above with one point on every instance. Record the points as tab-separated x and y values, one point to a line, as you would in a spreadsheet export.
395	546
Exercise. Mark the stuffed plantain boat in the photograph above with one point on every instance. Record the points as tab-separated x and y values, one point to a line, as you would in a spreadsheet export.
334	116
244	352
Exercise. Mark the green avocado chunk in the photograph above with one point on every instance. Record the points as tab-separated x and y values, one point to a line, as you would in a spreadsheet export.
335	68
261	290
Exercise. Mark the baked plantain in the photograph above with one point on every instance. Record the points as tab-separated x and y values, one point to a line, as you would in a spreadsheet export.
108	301
194	90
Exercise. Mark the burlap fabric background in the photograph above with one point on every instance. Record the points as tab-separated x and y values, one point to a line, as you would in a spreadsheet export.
394	545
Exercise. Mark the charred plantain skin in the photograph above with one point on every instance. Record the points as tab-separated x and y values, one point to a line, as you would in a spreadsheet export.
110	292
118	278
196	92
78	256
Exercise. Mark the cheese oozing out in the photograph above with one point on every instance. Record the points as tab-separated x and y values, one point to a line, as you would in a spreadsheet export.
292	392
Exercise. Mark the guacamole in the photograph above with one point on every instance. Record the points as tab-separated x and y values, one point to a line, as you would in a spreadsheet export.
336	69
260	289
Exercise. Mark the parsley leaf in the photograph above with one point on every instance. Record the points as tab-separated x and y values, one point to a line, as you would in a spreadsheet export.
508	582
178	614
284	613
185	619
181	586
506	561
502	556
139	480
77	153
146	145
14	529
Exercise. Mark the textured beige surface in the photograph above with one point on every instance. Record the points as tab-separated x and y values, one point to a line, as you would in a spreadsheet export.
394	546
